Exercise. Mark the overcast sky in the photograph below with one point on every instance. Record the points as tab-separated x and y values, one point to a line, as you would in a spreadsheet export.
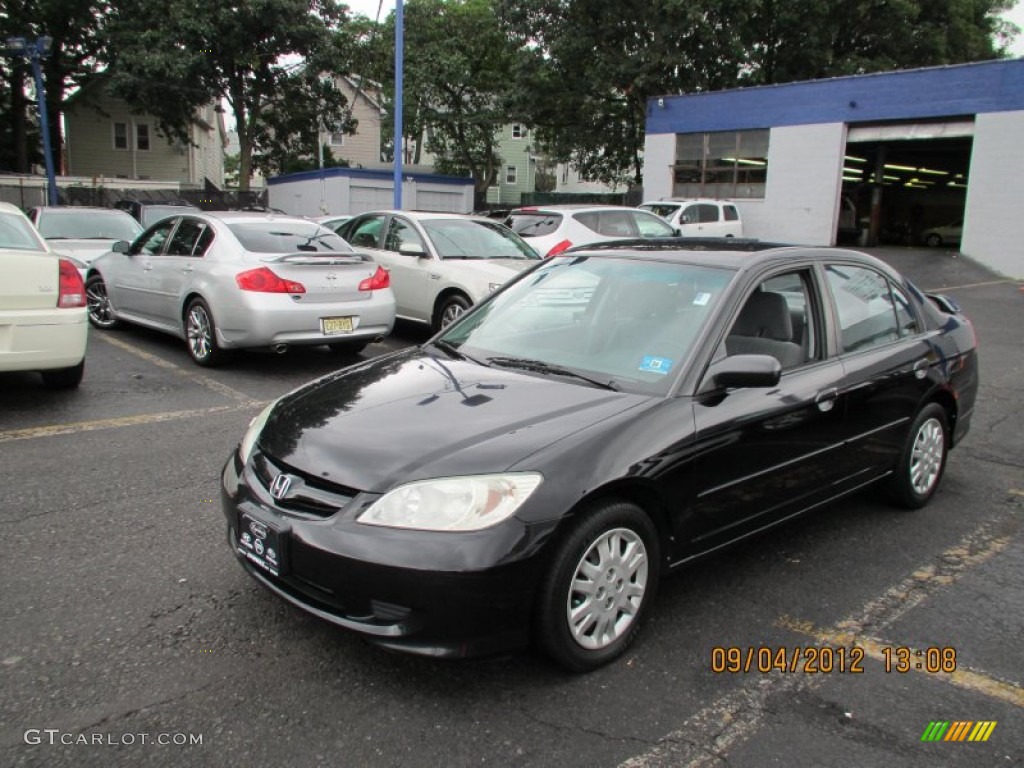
369	8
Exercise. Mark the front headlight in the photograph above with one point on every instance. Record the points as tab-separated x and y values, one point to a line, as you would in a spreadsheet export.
453	503
252	434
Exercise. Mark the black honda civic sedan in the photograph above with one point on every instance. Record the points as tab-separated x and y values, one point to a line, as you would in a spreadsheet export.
532	471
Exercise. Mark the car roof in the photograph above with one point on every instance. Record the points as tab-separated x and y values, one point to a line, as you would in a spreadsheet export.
730	253
229	217
81	208
10	208
562	207
426	215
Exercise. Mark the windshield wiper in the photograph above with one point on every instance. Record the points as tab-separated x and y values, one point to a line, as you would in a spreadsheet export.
454	352
540	366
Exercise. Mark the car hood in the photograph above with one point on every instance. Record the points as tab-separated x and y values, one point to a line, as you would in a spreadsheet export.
83	250
417	414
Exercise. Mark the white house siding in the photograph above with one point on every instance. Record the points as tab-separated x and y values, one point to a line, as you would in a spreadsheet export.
994	194
361	149
801	203
90	146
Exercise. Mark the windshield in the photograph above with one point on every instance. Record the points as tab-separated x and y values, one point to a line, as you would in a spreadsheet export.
474	239
17	233
626	324
288	236
88	225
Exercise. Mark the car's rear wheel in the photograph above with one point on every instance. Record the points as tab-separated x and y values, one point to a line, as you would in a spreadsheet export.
101	311
922	460
933	240
347	347
64	378
201	334
602	579
451	309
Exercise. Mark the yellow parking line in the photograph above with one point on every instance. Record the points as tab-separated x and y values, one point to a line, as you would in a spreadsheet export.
216	386
969	285
121	421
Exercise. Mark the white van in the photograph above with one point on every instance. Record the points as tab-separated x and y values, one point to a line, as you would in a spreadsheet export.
699	217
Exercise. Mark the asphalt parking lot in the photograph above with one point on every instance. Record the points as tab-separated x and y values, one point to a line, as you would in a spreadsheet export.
127	622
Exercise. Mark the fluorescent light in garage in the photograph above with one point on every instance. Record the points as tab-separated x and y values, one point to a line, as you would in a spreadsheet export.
934	173
900	167
852	170
854	159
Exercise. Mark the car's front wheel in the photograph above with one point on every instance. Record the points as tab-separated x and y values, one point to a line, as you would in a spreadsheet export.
602	579
922	460
933	240
101	311
201	334
451	309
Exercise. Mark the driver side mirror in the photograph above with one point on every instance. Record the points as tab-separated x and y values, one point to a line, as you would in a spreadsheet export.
412	249
121	246
742	371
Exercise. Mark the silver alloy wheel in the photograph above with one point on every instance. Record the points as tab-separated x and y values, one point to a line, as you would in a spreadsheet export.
199	332
607	588
98	302
451	313
926	456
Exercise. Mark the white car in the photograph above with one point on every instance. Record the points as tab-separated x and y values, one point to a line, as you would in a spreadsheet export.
42	305
81	232
551	229
441	264
948	234
699	217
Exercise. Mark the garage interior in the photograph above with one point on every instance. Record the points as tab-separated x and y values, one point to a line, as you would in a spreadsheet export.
923	186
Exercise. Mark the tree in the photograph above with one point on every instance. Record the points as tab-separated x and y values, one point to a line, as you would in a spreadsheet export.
169	59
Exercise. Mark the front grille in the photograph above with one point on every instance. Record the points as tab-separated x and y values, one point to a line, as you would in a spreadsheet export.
307	494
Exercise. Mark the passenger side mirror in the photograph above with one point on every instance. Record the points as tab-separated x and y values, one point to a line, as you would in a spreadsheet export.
412	249
743	371
121	246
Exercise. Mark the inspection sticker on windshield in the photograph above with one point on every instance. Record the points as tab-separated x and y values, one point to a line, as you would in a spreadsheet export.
651	364
701	299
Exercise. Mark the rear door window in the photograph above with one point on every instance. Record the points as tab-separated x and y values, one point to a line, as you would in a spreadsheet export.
864	305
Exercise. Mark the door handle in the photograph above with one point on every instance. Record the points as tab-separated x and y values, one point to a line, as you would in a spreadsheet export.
826	399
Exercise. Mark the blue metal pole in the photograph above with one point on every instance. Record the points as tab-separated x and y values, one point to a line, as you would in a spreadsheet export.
44	123
399	104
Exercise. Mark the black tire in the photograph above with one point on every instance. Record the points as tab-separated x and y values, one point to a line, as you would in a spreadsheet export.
101	311
347	347
922	461
622	592
933	240
450	310
201	335
64	378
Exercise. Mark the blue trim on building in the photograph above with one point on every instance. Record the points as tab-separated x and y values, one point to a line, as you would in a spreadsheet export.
369	173
935	92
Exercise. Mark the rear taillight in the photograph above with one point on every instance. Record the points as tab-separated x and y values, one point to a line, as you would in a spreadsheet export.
379	279
71	292
262	280
562	246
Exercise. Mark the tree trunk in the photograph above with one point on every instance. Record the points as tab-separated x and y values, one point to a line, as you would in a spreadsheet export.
244	137
19	119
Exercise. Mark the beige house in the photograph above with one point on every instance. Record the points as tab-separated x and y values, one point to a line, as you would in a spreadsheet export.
105	137
362	148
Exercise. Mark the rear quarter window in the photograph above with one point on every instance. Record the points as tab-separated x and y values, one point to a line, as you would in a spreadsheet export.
534	224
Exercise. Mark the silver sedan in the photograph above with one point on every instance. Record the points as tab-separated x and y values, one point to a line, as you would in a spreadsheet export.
231	280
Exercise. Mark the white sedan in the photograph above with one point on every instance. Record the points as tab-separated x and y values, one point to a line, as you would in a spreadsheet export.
42	306
441	264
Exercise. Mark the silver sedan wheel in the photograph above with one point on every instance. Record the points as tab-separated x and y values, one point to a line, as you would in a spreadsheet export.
607	589
452	313
926	457
100	311
200	332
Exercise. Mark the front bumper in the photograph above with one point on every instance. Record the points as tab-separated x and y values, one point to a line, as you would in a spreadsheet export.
437	594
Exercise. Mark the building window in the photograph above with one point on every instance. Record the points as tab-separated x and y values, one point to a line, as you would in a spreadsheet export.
510	174
518	131
722	164
120	135
337	139
142	137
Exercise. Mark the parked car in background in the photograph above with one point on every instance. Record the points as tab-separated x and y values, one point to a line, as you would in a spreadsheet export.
332	222
81	232
42	305
699	217
229	280
551	229
441	264
947	234
147	213
532	472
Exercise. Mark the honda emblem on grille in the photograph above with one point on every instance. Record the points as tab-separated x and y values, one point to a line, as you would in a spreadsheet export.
279	488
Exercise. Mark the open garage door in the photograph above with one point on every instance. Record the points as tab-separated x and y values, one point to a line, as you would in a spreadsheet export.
905	184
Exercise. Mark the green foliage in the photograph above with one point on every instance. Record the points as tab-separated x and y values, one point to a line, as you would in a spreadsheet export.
169	59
